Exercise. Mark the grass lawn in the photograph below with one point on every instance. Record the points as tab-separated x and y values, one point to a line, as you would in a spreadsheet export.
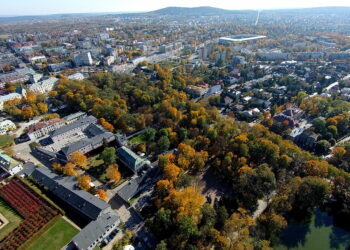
5	140
13	218
140	139
97	169
55	237
94	162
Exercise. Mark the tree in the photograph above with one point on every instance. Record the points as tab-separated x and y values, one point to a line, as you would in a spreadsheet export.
320	125
271	224
102	194
149	134
338	154
42	108
108	156
316	168
237	227
163	144
187	227
141	148
27	113
79	159
187	202
208	215
163	188
171	172
84	182
58	167
162	245
311	193
69	169
112	173
106	125
322	147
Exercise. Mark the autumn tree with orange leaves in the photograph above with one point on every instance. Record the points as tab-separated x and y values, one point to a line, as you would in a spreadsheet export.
69	169
102	194
79	159
112	173
84	182
187	202
106	125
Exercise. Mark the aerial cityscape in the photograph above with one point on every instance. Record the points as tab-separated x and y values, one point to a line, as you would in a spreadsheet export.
144	126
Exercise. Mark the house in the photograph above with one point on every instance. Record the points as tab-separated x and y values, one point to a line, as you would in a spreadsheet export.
196	91
96	231
74	117
79	133
102	219
95	136
8	97
41	129
307	139
251	113
54	67
5	126
291	115
87	205
73	128
34	78
9	164
76	76
140	183
83	59
131	160
44	86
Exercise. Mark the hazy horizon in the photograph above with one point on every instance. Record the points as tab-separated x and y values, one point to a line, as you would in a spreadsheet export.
41	7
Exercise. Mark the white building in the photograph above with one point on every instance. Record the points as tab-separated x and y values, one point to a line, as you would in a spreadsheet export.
9	165
41	129
83	59
76	76
9	97
44	86
6	125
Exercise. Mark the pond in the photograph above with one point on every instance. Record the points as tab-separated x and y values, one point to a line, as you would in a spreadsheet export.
319	234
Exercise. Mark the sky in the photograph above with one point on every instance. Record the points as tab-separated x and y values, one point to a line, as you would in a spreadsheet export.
44	7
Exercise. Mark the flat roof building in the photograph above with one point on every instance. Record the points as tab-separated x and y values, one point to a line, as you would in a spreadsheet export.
239	38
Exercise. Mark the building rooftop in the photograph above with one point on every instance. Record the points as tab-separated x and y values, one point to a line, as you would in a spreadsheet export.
76	124
65	188
134	162
95	229
7	162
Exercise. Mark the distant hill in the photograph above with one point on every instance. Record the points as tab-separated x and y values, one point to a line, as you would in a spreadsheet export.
211	11
196	11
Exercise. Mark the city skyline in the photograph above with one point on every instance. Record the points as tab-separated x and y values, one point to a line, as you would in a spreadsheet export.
40	7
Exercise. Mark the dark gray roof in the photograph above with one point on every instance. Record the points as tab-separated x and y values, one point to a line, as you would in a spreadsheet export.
95	229
65	188
139	183
94	129
28	169
81	122
85	142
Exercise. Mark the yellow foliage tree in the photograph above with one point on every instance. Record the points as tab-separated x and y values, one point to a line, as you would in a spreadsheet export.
316	168
102	194
79	159
187	202
69	169
84	182
58	167
171	172
112	173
